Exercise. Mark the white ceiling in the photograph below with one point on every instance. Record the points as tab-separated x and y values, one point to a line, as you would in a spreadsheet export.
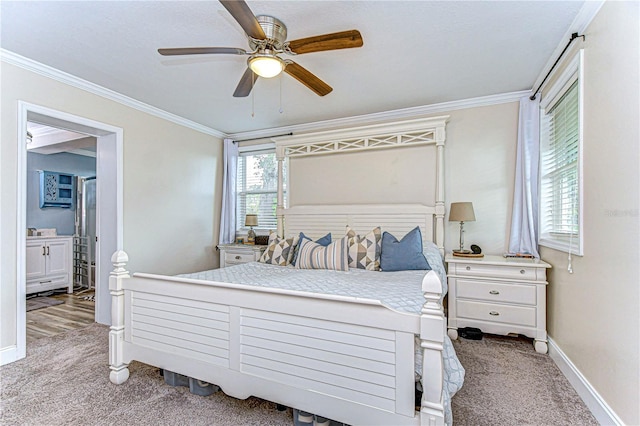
51	140
415	53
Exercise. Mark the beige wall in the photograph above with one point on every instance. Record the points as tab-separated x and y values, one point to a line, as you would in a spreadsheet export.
593	314
480	153
172	181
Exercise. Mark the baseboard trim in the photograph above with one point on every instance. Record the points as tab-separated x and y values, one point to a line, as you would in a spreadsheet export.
599	408
8	355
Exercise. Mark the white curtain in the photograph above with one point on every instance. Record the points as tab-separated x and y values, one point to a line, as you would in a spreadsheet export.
228	215
524	220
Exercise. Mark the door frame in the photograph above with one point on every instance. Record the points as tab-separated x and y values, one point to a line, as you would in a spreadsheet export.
109	223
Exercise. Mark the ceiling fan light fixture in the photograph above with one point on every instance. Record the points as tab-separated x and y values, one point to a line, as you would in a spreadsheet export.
266	66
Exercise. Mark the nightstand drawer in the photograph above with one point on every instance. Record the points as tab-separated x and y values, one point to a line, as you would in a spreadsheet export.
518	315
496	292
495	271
233	254
238	257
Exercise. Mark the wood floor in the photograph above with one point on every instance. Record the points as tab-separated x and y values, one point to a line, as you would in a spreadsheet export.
74	313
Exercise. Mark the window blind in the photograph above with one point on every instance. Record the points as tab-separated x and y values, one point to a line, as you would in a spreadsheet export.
560	191
257	188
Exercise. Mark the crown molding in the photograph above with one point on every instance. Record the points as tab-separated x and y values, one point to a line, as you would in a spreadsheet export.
83	152
63	77
587	13
397	114
359	120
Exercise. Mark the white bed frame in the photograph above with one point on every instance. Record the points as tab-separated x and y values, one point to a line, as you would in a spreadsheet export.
345	358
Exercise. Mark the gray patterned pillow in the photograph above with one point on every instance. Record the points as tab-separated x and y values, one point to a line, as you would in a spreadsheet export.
364	251
279	251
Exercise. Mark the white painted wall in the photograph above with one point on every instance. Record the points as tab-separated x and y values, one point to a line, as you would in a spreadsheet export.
172	176
479	157
594	313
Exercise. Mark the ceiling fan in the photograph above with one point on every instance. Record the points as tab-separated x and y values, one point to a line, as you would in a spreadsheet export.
267	38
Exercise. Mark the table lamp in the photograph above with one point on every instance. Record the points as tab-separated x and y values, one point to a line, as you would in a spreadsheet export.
251	220
461	212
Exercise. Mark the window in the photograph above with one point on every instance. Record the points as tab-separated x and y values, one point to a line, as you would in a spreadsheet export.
257	187
561	177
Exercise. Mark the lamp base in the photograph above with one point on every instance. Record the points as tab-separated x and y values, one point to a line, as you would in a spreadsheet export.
461	251
466	253
251	236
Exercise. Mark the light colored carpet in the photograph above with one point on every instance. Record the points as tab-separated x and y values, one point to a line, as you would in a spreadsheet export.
508	383
64	381
42	302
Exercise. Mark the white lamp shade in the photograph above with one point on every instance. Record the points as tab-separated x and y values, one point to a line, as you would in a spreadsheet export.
251	220
461	212
266	66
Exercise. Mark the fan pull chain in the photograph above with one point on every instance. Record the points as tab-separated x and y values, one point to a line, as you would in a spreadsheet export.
253	96
280	78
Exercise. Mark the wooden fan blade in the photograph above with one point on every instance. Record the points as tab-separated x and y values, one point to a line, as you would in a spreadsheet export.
305	77
333	41
246	84
245	17
201	51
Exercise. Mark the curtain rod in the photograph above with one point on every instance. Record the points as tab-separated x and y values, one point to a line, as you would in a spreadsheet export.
264	137
573	37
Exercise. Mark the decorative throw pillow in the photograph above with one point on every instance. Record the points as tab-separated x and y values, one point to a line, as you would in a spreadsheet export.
324	241
315	256
279	251
403	255
364	251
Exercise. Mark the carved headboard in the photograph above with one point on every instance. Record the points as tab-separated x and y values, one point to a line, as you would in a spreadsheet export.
397	218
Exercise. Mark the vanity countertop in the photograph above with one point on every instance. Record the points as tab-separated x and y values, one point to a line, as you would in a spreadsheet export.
33	237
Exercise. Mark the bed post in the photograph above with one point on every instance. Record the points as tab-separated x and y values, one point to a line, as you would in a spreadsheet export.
280	206
432	329
440	208
119	371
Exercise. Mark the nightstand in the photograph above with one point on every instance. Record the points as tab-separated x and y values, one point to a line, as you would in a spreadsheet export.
233	254
498	295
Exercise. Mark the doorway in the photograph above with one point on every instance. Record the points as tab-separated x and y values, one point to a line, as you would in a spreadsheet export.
60	289
109	225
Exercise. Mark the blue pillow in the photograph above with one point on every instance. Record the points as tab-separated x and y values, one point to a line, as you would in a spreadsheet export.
403	255
324	241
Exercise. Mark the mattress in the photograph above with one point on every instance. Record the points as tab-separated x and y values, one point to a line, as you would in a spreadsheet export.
401	290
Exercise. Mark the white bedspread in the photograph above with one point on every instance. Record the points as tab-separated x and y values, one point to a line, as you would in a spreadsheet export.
397	290
400	291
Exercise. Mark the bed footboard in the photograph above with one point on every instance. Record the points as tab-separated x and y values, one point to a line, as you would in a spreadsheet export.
432	330
119	371
343	358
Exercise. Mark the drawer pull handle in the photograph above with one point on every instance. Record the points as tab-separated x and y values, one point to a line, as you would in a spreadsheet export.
494	313
237	257
494	292
468	268
522	271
